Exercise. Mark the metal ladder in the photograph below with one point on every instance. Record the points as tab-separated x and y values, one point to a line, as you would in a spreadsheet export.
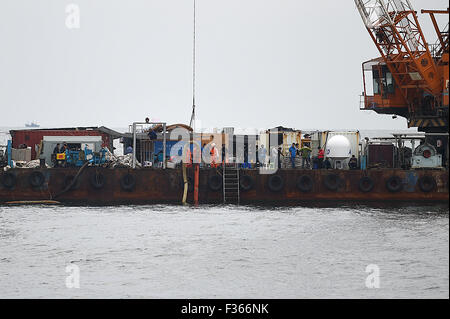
231	183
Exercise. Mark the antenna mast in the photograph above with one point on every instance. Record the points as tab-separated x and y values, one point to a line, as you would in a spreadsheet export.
192	122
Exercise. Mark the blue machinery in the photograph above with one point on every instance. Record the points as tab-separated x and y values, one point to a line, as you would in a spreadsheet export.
78	158
72	158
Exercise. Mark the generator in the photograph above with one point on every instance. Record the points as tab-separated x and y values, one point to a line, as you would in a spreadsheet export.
77	158
426	156
74	158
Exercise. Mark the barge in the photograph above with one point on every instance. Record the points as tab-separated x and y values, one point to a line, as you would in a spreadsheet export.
408	79
386	168
106	186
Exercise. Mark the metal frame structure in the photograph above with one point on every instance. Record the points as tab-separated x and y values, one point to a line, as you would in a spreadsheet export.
399	141
164	125
442	44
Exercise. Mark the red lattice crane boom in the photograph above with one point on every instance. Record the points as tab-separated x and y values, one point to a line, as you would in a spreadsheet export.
408	79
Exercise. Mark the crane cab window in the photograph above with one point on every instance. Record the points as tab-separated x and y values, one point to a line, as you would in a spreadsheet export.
383	82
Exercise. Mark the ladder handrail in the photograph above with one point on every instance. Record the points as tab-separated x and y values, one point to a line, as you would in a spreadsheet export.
234	188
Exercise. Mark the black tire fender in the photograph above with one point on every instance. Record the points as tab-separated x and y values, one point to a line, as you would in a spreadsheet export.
36	179
366	184
97	180
128	182
8	180
332	182
215	182
305	183
275	183
427	184
394	184
246	182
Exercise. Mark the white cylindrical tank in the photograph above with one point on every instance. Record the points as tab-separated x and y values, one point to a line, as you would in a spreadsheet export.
352	136
338	148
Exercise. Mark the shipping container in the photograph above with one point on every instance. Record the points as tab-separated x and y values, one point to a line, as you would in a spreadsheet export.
380	155
285	138
33	137
352	136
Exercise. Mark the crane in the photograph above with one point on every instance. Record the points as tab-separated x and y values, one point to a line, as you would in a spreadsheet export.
410	77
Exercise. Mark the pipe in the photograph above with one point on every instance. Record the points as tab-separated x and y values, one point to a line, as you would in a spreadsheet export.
197	173
9	152
33	202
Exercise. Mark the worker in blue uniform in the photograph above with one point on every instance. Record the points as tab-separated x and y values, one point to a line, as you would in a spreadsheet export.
293	151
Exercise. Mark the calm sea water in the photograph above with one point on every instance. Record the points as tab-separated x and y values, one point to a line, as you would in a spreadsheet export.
224	251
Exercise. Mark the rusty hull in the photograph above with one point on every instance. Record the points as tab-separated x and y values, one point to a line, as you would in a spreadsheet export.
166	186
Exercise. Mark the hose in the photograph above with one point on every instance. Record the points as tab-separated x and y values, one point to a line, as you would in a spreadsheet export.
186	184
68	187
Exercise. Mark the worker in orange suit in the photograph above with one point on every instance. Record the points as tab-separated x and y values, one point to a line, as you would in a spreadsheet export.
213	154
188	157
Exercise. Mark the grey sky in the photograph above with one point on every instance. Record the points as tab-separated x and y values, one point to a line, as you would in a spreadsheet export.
260	63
